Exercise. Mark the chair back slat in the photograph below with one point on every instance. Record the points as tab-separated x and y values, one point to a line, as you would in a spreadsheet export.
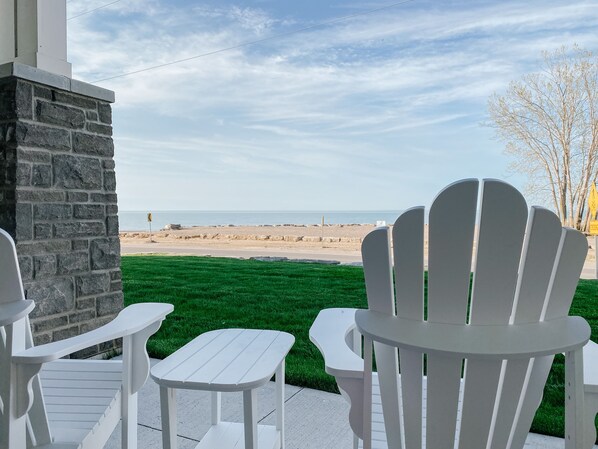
501	228
377	268
542	243
443	385
451	229
10	276
539	251
408	251
375	252
571	256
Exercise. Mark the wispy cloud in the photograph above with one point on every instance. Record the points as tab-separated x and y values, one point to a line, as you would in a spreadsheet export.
350	99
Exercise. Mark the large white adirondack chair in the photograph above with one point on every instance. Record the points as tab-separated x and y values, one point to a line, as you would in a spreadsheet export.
471	366
67	404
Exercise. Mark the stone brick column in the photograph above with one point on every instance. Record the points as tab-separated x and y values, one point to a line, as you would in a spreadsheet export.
58	200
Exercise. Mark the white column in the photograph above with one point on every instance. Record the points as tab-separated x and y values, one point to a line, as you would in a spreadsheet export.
39	39
7	31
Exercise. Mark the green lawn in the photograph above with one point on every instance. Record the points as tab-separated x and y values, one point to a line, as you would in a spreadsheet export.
214	293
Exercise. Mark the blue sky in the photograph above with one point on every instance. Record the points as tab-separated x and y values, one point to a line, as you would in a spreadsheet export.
376	111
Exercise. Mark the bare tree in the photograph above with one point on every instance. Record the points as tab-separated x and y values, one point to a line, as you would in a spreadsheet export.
549	122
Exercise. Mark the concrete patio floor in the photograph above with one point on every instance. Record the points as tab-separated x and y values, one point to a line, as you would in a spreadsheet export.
313	419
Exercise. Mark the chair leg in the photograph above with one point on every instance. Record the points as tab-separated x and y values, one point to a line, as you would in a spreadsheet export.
574	400
129	422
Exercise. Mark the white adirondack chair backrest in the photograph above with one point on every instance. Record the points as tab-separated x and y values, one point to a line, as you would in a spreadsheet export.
16	337
525	269
11	287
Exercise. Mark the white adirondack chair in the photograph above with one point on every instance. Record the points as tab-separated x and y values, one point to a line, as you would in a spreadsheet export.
470	368
67	404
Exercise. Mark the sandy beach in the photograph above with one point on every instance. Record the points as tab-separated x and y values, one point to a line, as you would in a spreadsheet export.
331	242
338	243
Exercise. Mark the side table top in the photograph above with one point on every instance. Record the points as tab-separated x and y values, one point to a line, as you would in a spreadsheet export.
225	360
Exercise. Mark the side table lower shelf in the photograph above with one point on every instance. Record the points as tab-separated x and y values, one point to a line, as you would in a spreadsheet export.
230	435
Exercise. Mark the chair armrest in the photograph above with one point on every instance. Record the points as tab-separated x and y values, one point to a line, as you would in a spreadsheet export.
329	332
13	311
128	322
498	342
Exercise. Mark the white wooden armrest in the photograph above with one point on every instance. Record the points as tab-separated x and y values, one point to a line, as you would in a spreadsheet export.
13	311
479	342
128	322
329	333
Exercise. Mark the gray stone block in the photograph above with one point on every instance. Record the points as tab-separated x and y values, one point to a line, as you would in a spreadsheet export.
116	274
109	180
40	248
85	315
77	197
105	113
41	175
44	325
109	164
42	231
52	296
105	253
85	303
88	211
103	198
74	262
38	196
23	221
74	100
40	156
109	304
57	114
42	92
92	284
112	225
91	115
23	174
42	339
79	245
99	128
74	172
52	211
26	267
44	266
8	133
15	100
79	229
111	209
69	332
47	137
93	145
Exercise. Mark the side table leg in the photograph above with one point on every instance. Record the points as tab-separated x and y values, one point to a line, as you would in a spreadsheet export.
250	418
216	407
280	402
169	420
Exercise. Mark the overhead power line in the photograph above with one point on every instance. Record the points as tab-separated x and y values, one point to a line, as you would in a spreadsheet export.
257	41
93	10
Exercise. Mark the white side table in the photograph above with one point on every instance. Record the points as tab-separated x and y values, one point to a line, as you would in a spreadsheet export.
227	360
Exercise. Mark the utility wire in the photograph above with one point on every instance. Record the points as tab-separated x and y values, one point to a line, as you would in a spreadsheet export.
258	41
93	10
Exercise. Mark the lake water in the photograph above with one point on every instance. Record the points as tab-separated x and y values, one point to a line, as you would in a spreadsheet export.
137	220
